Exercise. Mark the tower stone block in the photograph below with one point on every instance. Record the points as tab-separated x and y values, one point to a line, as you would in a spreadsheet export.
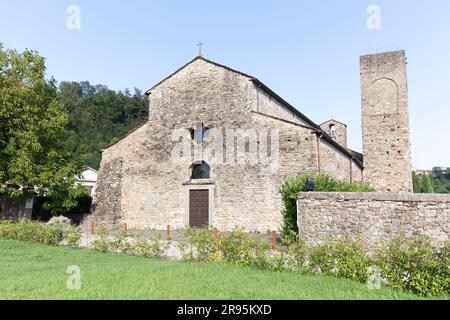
385	122
336	130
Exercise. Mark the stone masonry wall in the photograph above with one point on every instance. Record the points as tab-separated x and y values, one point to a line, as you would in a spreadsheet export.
385	122
337	164
108	211
340	131
374	216
142	184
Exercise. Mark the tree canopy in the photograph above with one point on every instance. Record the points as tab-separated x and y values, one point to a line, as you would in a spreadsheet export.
33	155
438	181
99	116
440	178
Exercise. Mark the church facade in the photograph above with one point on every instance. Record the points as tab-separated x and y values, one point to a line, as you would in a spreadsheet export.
216	149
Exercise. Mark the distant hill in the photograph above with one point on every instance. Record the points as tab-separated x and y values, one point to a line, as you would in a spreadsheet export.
98	116
440	178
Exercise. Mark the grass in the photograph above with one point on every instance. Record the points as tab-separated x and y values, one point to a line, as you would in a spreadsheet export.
30	271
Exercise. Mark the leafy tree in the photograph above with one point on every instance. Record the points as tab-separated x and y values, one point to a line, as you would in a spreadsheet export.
440	178
426	184
32	124
438	181
417	183
99	116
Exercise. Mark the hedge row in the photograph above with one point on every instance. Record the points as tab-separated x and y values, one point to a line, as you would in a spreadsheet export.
55	232
323	183
414	265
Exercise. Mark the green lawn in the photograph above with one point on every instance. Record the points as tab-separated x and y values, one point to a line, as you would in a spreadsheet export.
31	271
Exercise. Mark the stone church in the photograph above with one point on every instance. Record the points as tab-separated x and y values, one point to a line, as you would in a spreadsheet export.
219	143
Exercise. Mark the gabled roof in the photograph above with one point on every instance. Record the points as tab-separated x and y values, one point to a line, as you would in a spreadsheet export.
316	128
193	60
356	156
332	120
85	168
294	110
251	78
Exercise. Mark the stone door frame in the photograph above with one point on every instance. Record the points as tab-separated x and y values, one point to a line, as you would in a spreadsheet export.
188	188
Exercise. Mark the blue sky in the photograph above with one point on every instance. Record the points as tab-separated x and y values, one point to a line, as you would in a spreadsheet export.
306	51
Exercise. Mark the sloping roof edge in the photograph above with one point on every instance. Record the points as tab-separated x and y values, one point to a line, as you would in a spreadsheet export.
333	120
348	152
314	126
123	137
89	168
358	155
269	91
261	85
193	60
255	80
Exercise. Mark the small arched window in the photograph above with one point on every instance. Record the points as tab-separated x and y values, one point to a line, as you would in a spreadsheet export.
333	131
201	171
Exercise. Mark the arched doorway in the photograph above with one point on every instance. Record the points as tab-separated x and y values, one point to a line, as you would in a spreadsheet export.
199	196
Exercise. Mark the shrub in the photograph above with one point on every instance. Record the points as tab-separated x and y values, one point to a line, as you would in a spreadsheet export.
442	256
101	244
121	244
415	265
62	224
31	232
236	247
199	245
150	248
296	253
5	229
241	248
323	183
72	237
342	257
262	258
59	222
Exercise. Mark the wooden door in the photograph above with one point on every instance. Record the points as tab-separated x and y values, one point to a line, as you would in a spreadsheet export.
199	208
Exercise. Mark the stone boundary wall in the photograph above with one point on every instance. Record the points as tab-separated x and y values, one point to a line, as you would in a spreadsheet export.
374	216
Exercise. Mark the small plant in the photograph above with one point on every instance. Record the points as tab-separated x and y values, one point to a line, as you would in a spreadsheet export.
72	237
240	248
59	222
343	257
296	252
121	244
199	245
271	260
139	246
101	244
416	265
150	248
62	224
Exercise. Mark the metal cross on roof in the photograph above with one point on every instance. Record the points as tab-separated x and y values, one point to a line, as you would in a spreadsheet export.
200	44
